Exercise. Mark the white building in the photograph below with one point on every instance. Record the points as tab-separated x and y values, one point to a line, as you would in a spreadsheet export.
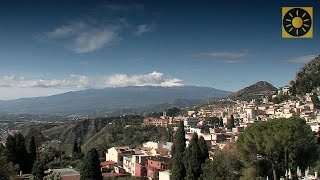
130	162
164	175
116	154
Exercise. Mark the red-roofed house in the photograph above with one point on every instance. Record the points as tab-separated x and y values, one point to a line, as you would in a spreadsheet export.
155	165
108	166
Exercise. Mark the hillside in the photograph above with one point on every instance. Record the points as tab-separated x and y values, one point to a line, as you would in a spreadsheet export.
253	91
82	130
92	132
109	100
308	78
120	135
179	103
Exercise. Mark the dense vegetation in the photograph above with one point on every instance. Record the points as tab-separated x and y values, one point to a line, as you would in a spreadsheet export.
178	149
308	78
126	135
266	148
18	155
7	169
90	168
281	144
187	162
225	165
17	152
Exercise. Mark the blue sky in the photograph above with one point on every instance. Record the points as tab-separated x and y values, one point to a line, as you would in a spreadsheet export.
50	47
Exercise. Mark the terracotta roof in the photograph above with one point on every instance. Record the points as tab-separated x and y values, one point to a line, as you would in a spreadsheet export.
112	175
146	148
162	150
123	149
106	163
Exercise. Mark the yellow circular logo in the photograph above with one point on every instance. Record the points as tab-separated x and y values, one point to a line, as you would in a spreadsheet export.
297	22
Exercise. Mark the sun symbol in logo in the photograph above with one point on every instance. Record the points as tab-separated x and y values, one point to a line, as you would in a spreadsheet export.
297	22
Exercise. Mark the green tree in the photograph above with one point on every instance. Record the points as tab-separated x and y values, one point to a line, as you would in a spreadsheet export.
193	159
172	112
203	149
7	170
249	173
179	145
90	168
281	143
293	88
52	153
38	170
215	121
315	100
276	100
11	149
170	134
230	124
22	155
36	133
75	148
225	165
32	151
220	122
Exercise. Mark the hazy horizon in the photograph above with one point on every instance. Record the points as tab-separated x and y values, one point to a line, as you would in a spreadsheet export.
96	44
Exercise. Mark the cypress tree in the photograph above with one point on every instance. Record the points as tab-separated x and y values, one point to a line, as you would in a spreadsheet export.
192	159
79	149
22	153
230	124
178	170
170	134
11	149
32	151
315	100
293	89
203	149
75	147
220	122
90	168
38	170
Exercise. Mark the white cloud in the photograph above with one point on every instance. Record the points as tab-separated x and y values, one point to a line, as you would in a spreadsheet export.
66	31
232	61
82	37
143	28
74	81
152	79
88	42
224	54
83	82
302	59
103	27
12	87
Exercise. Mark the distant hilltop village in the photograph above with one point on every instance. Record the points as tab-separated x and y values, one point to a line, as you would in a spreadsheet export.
224	119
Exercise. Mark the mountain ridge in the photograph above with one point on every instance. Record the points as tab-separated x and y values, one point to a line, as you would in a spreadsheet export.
252	91
108	100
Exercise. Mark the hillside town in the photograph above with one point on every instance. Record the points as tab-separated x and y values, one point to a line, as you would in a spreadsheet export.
219	126
152	159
